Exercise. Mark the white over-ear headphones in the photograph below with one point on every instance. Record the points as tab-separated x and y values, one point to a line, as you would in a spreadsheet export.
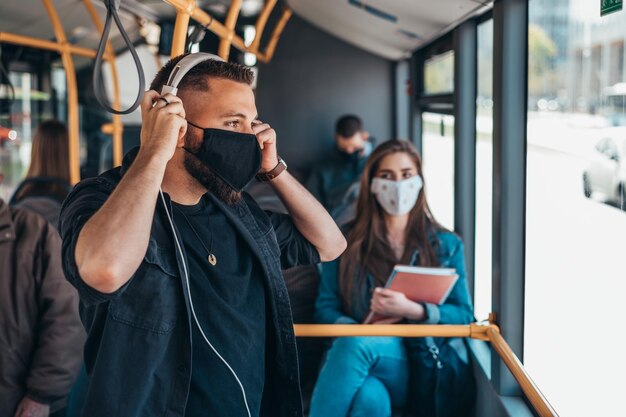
182	68
177	74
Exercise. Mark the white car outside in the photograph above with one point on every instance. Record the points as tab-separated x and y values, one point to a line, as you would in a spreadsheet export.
605	177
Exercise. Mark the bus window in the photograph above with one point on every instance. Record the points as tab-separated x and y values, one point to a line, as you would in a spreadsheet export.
484	172
439	74
438	156
575	243
31	97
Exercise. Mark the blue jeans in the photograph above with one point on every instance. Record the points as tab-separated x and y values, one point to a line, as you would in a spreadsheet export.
362	376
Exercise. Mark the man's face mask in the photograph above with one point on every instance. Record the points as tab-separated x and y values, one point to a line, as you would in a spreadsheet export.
350	156
234	157
359	153
397	197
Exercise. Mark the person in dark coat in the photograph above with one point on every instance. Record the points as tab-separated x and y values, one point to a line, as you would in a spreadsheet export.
335	180
42	338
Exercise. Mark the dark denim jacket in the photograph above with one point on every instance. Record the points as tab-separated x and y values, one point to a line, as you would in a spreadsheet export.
335	184
138	351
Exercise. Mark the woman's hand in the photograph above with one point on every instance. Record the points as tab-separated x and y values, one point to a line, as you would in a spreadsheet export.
394	304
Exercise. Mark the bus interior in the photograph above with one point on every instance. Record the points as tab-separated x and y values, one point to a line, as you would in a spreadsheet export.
517	108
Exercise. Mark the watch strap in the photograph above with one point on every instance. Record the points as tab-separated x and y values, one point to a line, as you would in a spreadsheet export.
270	175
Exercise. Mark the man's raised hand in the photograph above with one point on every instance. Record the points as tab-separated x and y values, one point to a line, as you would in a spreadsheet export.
163	124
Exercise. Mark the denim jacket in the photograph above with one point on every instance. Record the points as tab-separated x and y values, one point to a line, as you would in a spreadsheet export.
335	182
457	308
138	350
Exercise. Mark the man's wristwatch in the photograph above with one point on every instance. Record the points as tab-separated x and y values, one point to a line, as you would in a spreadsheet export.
270	175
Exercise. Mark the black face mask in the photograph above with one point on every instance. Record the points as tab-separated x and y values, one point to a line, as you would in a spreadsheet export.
234	157
350	157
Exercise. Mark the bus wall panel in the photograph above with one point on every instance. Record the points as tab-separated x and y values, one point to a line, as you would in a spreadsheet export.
312	80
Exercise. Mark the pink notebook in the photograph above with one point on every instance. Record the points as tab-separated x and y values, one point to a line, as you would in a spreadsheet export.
420	284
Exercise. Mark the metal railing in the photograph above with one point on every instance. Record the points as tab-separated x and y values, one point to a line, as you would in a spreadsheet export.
486	332
186	9
67	51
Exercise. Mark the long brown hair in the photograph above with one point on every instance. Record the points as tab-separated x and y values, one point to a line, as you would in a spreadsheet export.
368	249
49	158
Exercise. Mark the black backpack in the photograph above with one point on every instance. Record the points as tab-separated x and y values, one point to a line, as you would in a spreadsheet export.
442	381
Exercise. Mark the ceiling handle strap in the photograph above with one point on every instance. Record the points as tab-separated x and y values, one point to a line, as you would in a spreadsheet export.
98	84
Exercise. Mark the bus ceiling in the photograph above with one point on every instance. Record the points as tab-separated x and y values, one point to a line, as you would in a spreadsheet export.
392	30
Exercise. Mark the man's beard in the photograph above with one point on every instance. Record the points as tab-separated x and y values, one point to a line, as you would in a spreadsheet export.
209	180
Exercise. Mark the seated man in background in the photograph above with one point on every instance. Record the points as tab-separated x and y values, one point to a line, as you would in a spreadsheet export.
335	181
42	338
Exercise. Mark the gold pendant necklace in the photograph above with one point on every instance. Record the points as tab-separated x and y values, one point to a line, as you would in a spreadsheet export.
211	258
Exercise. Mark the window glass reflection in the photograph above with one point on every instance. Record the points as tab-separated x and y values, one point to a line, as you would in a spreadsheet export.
438	156
576	223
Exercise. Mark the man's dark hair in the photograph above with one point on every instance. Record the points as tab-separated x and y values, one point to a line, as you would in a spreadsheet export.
348	125
197	77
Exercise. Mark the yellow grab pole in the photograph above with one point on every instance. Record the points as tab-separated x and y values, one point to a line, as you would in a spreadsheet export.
399	330
489	332
261	23
278	30
188	7
15	39
72	93
118	127
530	389
180	32
205	19
230	22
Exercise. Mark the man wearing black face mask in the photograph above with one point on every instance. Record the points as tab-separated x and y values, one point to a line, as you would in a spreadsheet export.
181	292
335	181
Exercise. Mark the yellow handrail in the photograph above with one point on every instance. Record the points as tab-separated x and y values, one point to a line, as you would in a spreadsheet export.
72	92
261	22
534	395
278	30
6	37
180	34
230	22
398	330
186	9
489	332
67	51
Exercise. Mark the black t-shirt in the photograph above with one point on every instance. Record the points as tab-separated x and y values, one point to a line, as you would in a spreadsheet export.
230	303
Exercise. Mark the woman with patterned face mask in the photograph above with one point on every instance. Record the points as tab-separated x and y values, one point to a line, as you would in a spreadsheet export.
368	376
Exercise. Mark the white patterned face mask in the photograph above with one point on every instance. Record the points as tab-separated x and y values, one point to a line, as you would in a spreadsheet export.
397	197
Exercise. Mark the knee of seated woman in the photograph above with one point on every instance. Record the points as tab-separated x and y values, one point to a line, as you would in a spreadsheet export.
372	399
368	346
366	342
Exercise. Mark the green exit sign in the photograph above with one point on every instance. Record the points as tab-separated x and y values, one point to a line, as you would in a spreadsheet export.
610	6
